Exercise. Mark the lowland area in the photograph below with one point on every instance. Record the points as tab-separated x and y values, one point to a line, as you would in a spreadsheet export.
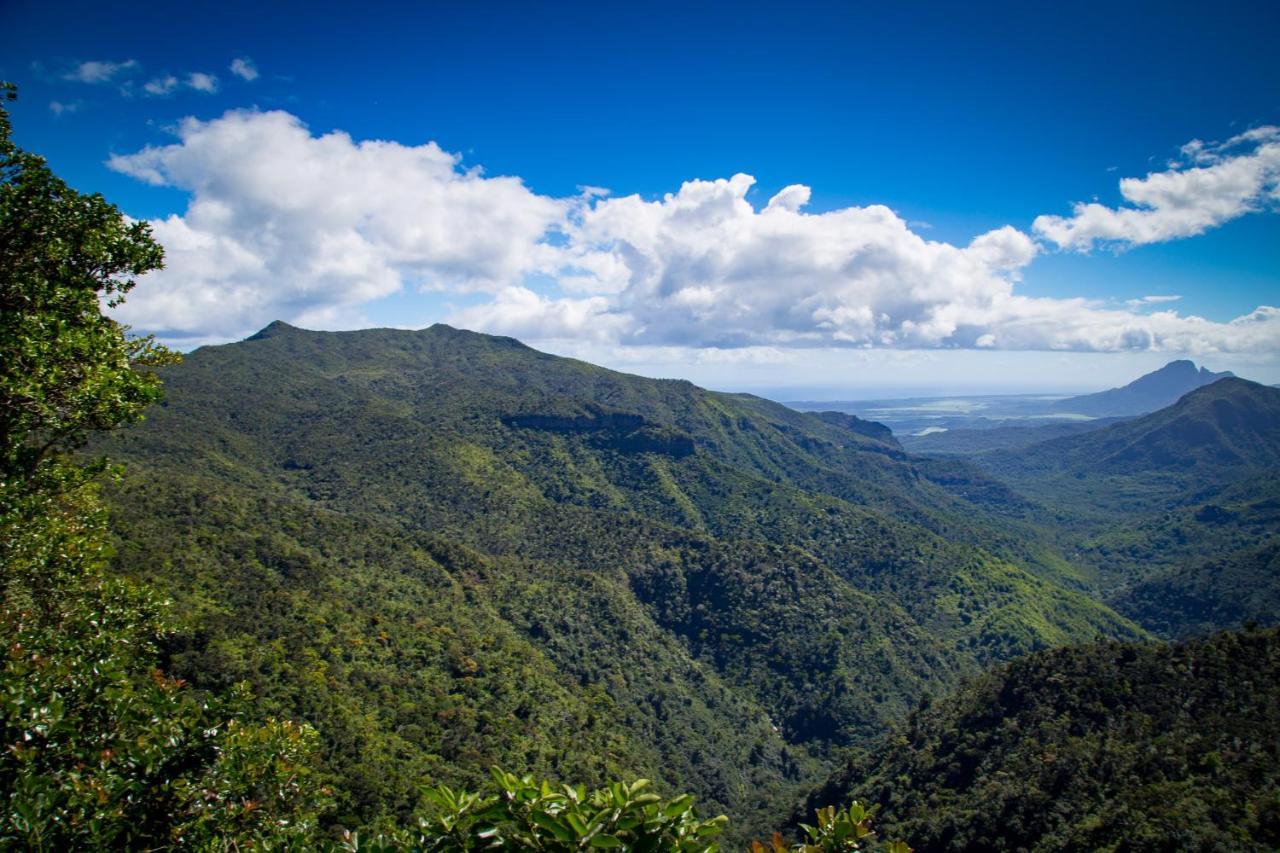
448	551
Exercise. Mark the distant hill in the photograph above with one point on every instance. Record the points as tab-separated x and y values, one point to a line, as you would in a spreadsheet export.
449	550
1147	393
1099	747
1228	426
1178	511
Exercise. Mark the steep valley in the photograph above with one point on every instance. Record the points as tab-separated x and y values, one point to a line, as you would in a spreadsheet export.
448	550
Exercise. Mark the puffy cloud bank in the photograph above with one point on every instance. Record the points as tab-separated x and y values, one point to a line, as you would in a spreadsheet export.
286	224
283	224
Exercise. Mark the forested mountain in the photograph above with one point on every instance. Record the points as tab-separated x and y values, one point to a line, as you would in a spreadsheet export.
1155	390
1213	432
447	549
1109	746
1176	513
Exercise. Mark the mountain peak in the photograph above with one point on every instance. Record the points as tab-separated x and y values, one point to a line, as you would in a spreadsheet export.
1147	393
1180	365
274	329
1225	374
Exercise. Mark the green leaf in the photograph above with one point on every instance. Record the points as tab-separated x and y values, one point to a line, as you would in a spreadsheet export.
603	840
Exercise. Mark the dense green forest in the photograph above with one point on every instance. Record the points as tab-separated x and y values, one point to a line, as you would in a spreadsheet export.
404	538
1097	747
723	591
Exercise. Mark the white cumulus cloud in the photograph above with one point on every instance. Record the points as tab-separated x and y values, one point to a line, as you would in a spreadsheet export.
282	224
516	310
1213	184
703	268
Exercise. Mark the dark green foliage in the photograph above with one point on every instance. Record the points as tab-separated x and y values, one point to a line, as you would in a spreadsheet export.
1099	747
871	429
1235	589
416	657
66	368
101	749
847	828
1200	566
525	814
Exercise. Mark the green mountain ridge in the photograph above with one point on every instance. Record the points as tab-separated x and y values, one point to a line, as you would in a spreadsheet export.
718	590
1212	431
1099	747
1173	515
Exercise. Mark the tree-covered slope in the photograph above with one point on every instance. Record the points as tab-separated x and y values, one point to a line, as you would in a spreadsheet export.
1216	434
728	586
422	659
1199	596
1109	746
1171	514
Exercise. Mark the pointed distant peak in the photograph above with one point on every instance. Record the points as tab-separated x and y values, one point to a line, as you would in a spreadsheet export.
274	329
1185	366
1182	370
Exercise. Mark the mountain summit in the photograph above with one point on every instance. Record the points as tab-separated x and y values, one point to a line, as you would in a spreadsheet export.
1155	390
1213	431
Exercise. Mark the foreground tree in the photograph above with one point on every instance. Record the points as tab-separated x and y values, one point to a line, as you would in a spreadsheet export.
527	814
100	747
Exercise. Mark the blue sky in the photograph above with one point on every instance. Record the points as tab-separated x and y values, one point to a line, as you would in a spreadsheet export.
960	120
